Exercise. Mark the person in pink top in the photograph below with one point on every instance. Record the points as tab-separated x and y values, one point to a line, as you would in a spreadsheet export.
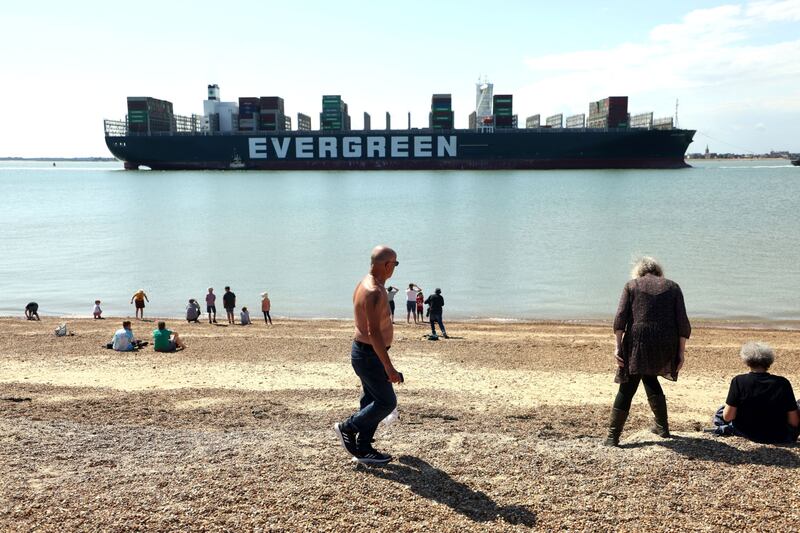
211	305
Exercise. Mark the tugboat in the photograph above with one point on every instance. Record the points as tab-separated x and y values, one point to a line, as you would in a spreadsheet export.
236	162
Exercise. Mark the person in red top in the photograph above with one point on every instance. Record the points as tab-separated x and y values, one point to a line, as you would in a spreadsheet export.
265	305
420	303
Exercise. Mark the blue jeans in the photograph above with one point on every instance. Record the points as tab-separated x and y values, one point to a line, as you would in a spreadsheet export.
378	399
437	317
728	428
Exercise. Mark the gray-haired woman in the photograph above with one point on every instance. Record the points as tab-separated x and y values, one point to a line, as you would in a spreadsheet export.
651	329
760	406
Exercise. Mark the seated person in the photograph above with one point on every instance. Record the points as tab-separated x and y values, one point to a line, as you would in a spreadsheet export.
124	340
165	340
760	406
32	311
193	311
244	317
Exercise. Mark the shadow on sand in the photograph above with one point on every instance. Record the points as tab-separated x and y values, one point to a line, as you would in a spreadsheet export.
434	484
715	449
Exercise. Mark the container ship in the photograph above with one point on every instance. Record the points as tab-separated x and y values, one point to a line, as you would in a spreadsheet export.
254	133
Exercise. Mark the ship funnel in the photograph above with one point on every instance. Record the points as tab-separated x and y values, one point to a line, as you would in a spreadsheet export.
213	92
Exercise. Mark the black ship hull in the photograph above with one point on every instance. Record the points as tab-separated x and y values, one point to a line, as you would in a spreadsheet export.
407	150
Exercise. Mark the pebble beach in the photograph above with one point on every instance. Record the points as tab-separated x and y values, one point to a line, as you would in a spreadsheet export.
500	429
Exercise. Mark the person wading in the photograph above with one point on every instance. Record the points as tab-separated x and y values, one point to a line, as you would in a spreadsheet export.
370	359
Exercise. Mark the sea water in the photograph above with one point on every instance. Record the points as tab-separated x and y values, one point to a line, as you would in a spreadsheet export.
500	244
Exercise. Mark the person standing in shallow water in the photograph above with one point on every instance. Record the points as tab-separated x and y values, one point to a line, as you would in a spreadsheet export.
651	329
369	356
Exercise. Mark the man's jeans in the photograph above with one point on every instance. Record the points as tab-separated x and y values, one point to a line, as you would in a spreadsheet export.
437	317
378	399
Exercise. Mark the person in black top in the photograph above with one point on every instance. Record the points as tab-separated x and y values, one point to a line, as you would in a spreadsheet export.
229	303
436	302
32	311
760	406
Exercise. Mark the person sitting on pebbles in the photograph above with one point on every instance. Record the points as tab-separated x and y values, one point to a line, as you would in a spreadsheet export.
165	340
760	406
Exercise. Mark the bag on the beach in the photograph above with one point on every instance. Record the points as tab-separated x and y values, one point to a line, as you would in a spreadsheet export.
61	331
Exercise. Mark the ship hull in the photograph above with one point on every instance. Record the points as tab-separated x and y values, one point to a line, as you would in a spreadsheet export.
404	150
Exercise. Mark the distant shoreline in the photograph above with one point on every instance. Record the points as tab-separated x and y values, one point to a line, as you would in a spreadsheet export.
63	159
719	323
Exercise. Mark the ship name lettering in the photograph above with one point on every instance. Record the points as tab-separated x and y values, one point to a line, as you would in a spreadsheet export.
399	146
304	148
351	147
281	146
327	147
258	147
376	145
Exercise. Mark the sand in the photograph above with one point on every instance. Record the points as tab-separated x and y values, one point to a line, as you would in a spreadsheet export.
500	430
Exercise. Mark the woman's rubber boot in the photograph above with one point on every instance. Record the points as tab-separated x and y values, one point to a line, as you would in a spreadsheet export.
615	425
659	406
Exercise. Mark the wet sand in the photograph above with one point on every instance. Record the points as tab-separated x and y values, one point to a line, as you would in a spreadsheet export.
500	429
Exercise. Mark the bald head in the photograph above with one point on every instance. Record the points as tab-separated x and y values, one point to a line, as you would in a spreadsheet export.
382	254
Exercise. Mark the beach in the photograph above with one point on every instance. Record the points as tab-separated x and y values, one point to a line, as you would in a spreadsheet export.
500	429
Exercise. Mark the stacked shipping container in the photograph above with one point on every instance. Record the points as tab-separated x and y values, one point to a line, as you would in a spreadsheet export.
271	115
248	113
611	112
441	115
555	121
149	115
303	122
334	115
576	121
502	108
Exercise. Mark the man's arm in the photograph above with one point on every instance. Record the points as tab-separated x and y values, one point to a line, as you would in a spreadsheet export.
375	308
794	418
729	413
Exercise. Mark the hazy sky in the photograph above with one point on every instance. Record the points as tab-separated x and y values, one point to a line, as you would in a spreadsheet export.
66	66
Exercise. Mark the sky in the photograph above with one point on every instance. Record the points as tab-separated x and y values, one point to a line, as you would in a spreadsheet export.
733	68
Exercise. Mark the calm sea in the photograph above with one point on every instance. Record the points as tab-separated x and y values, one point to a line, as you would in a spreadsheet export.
500	244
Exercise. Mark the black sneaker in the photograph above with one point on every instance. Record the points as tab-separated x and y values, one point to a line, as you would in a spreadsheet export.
370	456
347	438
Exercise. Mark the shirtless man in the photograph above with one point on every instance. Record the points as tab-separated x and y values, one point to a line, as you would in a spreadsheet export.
370	359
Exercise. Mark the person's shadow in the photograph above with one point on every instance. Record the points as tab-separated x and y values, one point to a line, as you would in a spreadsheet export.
434	484
714	449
